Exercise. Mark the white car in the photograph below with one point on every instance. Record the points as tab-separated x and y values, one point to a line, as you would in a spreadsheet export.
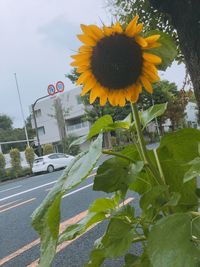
51	162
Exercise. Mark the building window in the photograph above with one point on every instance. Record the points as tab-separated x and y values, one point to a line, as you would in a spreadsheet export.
79	99
38	113
41	130
75	124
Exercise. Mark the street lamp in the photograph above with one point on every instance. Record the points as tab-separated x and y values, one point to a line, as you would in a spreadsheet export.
35	122
22	112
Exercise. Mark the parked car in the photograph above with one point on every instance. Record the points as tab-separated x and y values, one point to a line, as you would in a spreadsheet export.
51	162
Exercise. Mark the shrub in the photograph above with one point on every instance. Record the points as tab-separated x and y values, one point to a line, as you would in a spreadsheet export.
73	150
2	165
30	156
15	162
47	149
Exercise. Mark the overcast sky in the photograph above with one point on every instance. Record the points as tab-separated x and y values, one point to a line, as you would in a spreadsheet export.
37	39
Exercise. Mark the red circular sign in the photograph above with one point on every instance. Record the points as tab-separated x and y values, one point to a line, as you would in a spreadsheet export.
60	86
51	89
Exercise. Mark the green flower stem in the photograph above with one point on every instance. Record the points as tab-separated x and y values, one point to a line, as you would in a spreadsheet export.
159	167
110	152
142	145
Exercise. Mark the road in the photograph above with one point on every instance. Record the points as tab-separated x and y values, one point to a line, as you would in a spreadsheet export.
19	242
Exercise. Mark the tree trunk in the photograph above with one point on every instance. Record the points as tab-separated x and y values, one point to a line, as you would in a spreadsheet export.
185	16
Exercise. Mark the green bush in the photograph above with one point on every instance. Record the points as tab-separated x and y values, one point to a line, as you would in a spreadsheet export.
2	165
73	150
15	162
47	149
30	156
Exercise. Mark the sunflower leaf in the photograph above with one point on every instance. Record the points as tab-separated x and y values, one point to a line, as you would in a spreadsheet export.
100	125
152	113
171	241
167	51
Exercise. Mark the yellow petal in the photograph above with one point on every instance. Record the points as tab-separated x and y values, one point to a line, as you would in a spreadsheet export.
107	31
153	77
98	32
153	45
132	26
82	69
103	100
139	28
152	58
117	28
146	84
83	77
93	95
86	40
89	84
122	101
81	56
89	31
153	38
135	96
141	41
85	49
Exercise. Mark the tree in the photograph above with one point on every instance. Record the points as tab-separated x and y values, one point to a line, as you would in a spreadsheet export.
15	162
73	150
2	165
5	122
179	18
47	149
30	156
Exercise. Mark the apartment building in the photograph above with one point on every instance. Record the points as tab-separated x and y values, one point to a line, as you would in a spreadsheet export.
73	113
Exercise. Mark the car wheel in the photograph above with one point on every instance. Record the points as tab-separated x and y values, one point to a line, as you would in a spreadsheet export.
50	168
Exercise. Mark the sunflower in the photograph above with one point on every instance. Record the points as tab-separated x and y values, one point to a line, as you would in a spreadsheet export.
114	63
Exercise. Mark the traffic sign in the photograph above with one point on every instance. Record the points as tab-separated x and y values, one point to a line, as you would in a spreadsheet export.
51	89
60	86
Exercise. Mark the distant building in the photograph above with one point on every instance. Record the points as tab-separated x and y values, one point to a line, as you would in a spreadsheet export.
191	115
73	111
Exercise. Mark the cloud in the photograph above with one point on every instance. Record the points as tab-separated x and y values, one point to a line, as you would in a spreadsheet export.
60	32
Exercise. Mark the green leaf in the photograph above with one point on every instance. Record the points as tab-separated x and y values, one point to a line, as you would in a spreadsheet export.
194	171
170	242
117	239
154	198
82	167
46	218
176	150
118	125
130	259
79	141
152	113
100	125
174	199
167	51
75	230
102	204
116	174
96	258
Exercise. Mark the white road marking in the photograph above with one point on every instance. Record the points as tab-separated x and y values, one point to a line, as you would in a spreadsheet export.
77	190
26	191
40	186
10	188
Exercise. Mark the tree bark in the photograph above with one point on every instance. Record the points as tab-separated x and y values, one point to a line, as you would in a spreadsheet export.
185	17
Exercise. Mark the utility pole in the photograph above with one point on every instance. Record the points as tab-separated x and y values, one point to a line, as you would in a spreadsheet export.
22	112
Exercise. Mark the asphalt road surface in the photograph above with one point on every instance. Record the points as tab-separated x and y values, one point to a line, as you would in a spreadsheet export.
19	243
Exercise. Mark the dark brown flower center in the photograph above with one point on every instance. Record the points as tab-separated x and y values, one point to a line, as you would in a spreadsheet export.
116	61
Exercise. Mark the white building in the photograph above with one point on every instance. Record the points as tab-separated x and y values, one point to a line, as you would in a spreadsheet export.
191	115
73	111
